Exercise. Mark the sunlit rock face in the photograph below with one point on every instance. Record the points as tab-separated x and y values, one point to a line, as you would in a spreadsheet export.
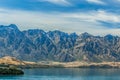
38	45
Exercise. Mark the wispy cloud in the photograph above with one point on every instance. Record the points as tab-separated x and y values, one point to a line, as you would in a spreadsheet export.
96	2
69	22
57	2
95	16
118	0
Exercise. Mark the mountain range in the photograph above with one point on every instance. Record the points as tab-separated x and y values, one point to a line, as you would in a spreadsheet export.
38	45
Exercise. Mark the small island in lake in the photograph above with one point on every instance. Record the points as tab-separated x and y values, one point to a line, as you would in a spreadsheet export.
10	71
8	66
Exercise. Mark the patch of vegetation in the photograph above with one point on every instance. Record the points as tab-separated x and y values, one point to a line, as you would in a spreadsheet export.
10	71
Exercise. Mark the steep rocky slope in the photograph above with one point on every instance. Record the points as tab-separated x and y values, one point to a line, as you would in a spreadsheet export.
38	45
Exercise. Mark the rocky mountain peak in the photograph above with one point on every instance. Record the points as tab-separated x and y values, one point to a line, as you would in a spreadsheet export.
38	45
11	26
86	35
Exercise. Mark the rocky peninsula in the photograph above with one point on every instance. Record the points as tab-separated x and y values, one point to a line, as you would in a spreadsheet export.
10	71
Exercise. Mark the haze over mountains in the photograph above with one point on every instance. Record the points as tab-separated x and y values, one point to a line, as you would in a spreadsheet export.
38	45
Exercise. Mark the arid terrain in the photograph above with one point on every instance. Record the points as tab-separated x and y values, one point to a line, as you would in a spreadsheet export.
7	60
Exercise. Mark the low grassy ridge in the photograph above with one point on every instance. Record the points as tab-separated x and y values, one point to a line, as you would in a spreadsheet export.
8	61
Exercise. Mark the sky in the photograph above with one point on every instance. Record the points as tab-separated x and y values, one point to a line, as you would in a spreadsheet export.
97	17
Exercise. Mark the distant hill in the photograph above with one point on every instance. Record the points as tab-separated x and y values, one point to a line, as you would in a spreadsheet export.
7	60
38	45
11	60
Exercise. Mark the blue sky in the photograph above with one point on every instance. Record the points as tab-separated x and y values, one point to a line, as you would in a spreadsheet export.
98	17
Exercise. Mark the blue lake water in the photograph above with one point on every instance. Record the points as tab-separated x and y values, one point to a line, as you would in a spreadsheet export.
66	74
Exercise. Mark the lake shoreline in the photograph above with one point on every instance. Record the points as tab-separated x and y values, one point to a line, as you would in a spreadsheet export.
11	61
71	65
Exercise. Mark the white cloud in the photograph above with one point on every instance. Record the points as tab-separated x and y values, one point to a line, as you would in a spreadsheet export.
95	16
69	22
96	2
58	2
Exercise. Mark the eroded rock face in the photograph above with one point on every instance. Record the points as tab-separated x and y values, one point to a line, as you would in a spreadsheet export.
38	45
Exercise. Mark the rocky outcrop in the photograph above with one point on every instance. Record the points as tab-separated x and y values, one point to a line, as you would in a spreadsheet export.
10	71
38	45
